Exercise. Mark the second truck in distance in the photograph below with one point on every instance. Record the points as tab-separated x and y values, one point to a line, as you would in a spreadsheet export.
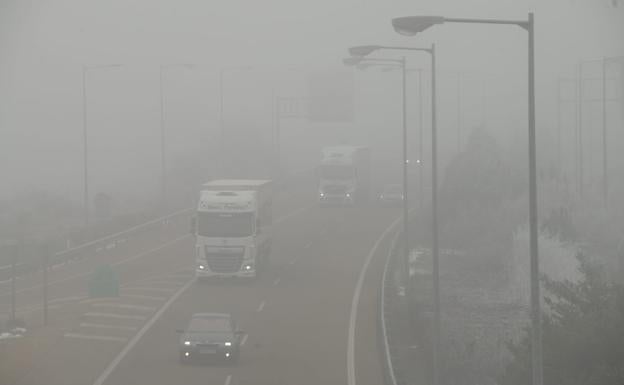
344	175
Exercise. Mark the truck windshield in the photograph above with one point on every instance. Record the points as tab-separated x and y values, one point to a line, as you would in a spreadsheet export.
224	224
337	172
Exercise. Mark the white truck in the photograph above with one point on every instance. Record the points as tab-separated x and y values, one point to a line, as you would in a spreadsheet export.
344	175
232	228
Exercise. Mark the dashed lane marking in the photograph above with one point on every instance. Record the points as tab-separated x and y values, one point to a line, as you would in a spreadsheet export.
165	283
111	367
124	306
116	316
94	337
111	327
142	297
243	340
149	288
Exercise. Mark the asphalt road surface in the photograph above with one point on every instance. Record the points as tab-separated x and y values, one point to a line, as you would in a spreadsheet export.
298	316
297	319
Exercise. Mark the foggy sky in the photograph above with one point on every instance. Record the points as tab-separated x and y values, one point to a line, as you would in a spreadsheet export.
43	45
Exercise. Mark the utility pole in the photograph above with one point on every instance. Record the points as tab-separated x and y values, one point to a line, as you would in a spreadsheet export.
46	263
580	129
459	105
605	172
421	120
163	163
85	149
16	251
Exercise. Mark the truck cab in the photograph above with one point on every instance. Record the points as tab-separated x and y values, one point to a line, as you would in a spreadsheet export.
344	175
232	230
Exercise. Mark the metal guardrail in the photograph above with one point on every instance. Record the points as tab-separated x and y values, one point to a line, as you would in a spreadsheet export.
390	373
123	233
75	253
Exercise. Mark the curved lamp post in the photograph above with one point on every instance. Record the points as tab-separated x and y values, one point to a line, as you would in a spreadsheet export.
412	25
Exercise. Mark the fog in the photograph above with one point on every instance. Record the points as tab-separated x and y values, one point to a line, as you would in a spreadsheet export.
44	45
211	75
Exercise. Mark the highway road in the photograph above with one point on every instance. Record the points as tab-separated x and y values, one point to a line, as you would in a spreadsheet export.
310	320
297	321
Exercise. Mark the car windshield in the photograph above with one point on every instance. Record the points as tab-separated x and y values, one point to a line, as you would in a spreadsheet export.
224	224
209	324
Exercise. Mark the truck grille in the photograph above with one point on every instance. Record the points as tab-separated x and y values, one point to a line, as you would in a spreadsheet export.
225	260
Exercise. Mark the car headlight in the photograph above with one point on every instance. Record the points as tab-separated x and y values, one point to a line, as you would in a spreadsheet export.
187	343
321	194
227	344
202	267
348	195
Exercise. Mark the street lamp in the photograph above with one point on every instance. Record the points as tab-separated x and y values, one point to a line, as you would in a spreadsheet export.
85	141
358	59
163	163
365	50
412	25
222	71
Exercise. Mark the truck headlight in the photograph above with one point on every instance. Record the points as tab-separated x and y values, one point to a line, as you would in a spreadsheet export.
321	194
202	267
187	343
348	195
227	344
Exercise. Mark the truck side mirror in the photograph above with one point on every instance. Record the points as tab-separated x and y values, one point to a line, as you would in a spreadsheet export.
194	225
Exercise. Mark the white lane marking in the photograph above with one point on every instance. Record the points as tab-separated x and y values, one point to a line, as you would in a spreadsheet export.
276	282
124	306
88	274
147	297
124	352
116	316
94	337
111	367
243	340
67	299
33	310
30	308
261	306
165	283
356	300
148	288
112	327
228	379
